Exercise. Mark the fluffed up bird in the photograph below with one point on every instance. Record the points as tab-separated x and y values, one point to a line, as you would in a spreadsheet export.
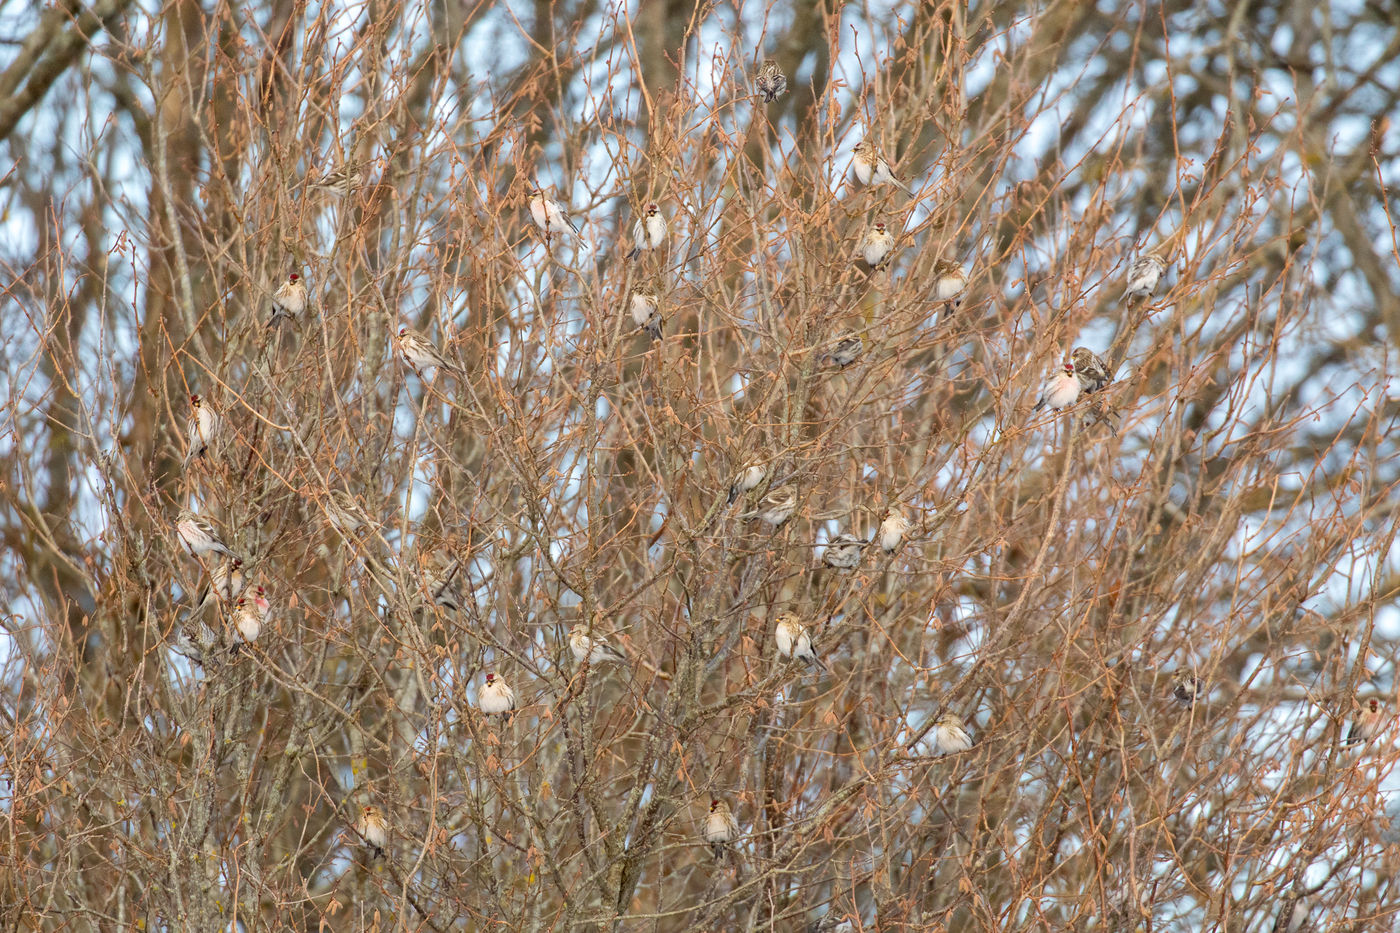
251	614
774	508
495	696
949	280
373	828
198	536
289	300
1186	689
950	736
644	306
876	245
846	349
421	354
1143	276
649	232
1090	368
549	216
594	647
721	828
871	168
794	641
892	530
225	583
204	425
769	81
843	552
747	480
1367	723
1061	391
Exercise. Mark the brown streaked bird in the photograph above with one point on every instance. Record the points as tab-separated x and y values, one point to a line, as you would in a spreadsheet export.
893	529
250	615
421	354
1367	723
774	509
1091	369
746	480
289	300
843	552
949	280
225	583
876	246
845	350
1143	275
721	828
548	214
593	646
373	828
495	696
871	168
205	422
198	536
644	307
1186	690
769	81
794	641
950	736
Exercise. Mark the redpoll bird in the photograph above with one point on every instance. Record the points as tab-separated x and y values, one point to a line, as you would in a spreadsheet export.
645	310
769	81
720	827
774	508
373	828
649	232
593	647
876	245
843	552
199	536
420	353
344	513
205	422
871	167
1090	368
1143	276
847	348
441	573
1186	689
549	216
225	583
1061	391
495	696
250	615
342	180
1367	723
948	283
290	298
950	736
794	641
892	530
747	480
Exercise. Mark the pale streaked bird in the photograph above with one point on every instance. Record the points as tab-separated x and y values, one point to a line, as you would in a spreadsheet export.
746	481
794	641
1186	689
950	736
594	647
420	353
205	422
721	828
198	536
1061	391
373	828
876	245
775	508
949	280
644	307
892	530
1143	276
843	552
549	216
225	583
1367	723
495	696
649	232
290	299
1090	368
871	168
251	614
846	350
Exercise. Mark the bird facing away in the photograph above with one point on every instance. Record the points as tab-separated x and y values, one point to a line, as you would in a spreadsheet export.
1061	391
843	552
649	232
893	529
846	350
950	736
775	508
871	168
495	696
373	828
876	245
1091	369
1143	275
949	280
720	827
644	307
549	216
1367	723
204	425
769	81
794	641
593	647
289	300
746	481
198	536
420	353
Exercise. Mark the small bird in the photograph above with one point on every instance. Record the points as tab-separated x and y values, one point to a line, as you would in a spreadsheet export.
892	530
250	615
949	280
342	180
794	641
720	827
373	828
593	647
549	216
1090	368
225	583
421	354
1186	690
649	232
289	300
847	348
769	81
441	575
834	923
1367	723
344	512
1143	276
204	425
199	536
871	167
746	481
645	308
950	735
1061	391
843	552
876	245
496	696
774	508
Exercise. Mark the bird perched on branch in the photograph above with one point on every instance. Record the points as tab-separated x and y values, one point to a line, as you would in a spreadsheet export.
843	552
892	530
876	246
746	481
289	300
421	354
950	736
1367	723
769	81
845	350
720	828
251	614
205	422
594	647
775	508
871	168
1061	391
1186	689
649	232
1143	275
342	180
495	696
225	583
1090	368
373	828
949	280
549	216
198	536
794	641
644	306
